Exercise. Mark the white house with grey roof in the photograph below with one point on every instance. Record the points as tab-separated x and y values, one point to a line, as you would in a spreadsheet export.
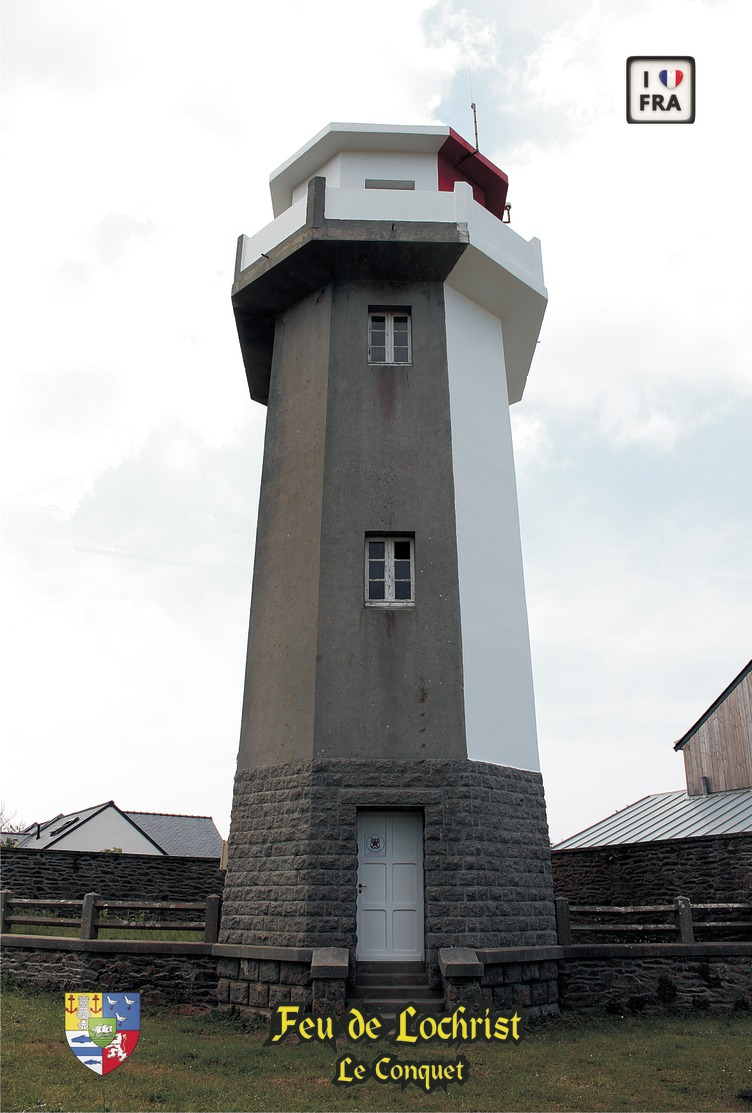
106	827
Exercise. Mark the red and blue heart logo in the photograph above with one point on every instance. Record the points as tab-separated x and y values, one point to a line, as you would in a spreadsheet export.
671	78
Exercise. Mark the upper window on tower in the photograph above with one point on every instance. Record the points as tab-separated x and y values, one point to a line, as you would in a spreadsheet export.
389	336
389	572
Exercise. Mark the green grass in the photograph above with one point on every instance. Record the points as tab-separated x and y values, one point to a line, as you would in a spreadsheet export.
189	1059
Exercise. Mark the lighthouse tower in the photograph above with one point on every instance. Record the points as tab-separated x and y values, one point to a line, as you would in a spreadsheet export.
388	801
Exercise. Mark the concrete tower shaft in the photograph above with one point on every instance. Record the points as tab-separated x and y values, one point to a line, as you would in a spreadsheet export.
355	446
354	452
387	800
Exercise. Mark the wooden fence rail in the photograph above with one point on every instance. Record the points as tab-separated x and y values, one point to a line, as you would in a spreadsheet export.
92	913
679	923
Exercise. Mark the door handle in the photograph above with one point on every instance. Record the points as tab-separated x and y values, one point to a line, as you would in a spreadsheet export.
361	886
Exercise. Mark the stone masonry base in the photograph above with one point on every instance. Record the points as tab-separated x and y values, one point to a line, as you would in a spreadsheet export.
292	868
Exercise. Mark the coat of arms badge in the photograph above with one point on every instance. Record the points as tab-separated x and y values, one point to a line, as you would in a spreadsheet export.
102	1029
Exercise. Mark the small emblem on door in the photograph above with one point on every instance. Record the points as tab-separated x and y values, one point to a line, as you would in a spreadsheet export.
375	843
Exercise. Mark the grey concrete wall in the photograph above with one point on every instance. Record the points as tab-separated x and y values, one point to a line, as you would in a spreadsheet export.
389	682
278	703
351	449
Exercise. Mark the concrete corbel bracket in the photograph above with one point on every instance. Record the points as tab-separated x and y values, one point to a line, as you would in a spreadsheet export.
460	962
330	962
329	970
462	974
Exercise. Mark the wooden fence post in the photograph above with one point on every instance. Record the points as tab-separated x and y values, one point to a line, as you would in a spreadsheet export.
563	930
211	918
5	896
683	917
89	929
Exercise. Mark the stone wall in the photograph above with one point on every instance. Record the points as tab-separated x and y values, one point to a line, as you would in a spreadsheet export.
252	979
617	978
70	874
712	869
292	871
655	978
522	980
161	972
260	984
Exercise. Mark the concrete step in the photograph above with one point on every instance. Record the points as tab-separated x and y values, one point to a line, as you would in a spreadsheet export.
391	979
388	1009
387	986
391	967
396	992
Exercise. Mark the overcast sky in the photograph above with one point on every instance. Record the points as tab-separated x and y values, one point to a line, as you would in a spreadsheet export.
138	139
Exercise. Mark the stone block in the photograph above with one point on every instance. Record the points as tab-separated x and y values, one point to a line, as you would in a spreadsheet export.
301	995
294	973
258	995
249	969
268	972
539	993
522	995
279	995
503	996
238	993
512	973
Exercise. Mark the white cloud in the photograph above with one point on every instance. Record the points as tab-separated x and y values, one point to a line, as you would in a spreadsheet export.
140	138
532	441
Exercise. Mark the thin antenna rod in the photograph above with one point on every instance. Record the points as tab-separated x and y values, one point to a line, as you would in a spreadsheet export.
473	106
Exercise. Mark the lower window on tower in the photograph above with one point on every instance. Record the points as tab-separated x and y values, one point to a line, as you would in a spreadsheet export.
389	336
390	580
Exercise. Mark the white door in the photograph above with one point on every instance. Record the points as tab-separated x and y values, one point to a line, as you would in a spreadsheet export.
390	886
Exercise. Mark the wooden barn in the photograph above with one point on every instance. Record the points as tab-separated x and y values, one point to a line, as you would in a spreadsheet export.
695	842
718	748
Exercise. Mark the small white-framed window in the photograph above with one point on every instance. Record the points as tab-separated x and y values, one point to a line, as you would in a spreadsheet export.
389	336
390	572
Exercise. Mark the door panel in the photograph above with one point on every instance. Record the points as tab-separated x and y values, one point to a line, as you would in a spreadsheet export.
390	886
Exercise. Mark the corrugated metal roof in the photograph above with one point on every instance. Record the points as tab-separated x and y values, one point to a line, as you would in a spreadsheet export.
670	815
188	836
